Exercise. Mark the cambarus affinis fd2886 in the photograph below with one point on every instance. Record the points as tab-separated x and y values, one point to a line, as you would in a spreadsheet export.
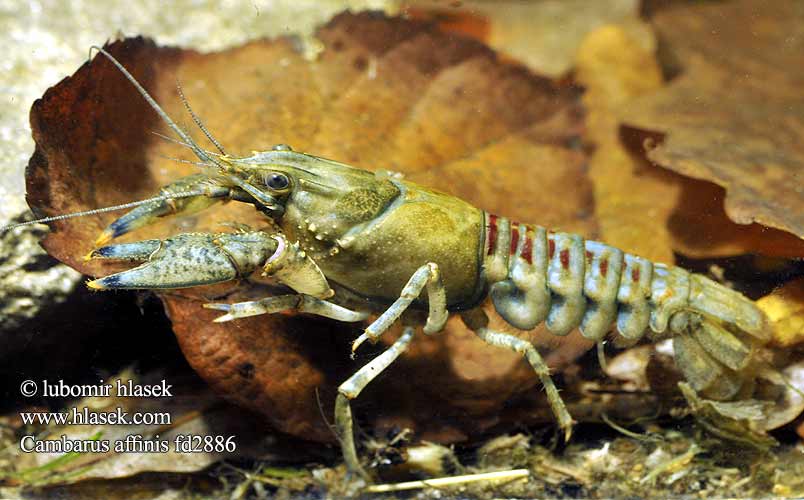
351	243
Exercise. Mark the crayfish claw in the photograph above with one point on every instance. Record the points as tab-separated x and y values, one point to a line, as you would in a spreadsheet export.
184	196
224	318
105	237
186	260
138	251
221	307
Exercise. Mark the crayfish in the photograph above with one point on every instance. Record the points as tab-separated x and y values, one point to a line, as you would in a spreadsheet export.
351	243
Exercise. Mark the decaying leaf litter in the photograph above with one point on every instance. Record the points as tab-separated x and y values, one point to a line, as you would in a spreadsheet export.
580	200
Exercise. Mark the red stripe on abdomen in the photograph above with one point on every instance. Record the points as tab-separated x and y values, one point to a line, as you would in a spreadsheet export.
514	238
527	245
492	234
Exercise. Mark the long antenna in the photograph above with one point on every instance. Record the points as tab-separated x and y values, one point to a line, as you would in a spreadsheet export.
182	160
197	120
200	153
186	140
164	197
171	139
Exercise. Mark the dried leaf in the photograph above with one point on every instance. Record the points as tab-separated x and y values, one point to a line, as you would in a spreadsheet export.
700	228
544	35
738	421
734	115
789	405
632	198
384	94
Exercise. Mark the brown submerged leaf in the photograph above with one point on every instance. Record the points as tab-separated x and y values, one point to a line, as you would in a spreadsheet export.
543	35
632	198
734	116
384	94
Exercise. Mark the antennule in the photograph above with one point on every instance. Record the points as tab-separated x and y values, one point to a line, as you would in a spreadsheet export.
156	107
197	120
200	153
173	196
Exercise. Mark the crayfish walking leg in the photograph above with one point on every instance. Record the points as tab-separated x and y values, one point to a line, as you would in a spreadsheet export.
477	321
352	388
291	302
427	275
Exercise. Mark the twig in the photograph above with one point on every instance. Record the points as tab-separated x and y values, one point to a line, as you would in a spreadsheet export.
508	475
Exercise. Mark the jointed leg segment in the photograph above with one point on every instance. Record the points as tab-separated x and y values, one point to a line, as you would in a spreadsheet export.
426	276
352	388
300	303
477	321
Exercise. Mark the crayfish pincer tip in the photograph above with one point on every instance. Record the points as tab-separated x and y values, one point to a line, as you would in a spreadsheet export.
105	237
106	283
96	285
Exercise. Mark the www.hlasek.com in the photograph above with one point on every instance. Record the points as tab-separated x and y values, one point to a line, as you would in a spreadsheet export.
132	443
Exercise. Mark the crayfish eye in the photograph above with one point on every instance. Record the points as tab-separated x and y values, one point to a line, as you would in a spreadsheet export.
277	181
